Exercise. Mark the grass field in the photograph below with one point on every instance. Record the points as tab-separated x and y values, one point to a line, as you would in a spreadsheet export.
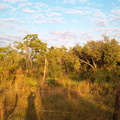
61	99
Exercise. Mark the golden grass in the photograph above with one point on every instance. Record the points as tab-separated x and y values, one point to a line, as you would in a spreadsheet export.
71	100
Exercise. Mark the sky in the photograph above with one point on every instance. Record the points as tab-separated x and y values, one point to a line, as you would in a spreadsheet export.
59	22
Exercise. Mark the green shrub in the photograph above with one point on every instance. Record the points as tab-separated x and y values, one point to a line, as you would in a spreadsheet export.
52	82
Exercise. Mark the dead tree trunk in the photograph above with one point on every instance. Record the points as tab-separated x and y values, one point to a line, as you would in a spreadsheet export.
44	75
117	104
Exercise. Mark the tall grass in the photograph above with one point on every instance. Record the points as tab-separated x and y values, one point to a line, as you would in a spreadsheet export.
62	99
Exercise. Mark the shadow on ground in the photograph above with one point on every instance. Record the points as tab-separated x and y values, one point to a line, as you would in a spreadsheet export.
31	111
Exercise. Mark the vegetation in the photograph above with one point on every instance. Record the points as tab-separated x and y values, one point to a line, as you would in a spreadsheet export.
41	83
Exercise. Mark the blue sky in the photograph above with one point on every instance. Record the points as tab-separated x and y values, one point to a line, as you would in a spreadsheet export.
59	22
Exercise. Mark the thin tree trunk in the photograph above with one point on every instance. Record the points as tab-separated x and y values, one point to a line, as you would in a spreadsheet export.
44	76
66	66
95	66
117	104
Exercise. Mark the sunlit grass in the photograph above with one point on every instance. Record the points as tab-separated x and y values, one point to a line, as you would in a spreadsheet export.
66	100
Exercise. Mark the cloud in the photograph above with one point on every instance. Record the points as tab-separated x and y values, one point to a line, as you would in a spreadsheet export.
116	11
14	1
38	16
65	35
76	11
11	20
3	43
86	36
10	25
27	10
24	30
7	39
109	29
58	20
50	20
115	19
40	4
23	4
40	22
4	6
70	38
115	15
100	22
74	1
98	13
112	32
53	14
75	21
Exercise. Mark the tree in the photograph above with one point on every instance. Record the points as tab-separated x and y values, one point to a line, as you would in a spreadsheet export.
110	53
31	49
91	54
9	59
54	62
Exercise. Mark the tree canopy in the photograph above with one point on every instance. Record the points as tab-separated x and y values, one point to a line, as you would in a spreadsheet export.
30	56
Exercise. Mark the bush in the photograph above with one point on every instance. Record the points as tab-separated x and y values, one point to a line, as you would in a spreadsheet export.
52	82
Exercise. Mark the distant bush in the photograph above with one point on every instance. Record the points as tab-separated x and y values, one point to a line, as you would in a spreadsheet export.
52	82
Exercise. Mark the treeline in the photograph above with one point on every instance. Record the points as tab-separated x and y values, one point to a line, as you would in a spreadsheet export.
95	60
76	83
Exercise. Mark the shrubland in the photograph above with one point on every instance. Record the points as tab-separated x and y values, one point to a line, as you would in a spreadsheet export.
40	83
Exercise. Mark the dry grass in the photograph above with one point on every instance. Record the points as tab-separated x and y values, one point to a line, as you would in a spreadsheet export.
70	100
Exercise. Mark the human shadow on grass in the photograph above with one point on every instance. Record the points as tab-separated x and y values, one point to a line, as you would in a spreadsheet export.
31	111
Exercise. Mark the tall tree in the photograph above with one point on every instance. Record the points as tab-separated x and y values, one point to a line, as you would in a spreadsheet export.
110	53
31	49
9	59
91	54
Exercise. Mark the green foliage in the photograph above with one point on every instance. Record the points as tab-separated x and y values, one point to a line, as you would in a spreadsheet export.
94	60
52	82
111	50
54	57
81	78
9	60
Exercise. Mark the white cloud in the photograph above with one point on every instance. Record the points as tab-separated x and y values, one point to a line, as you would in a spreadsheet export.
116	11
7	39
23	4
74	1
40	4
12	10
14	1
53	14
86	36
27	10
40	22
25	31
58	20
75	21
110	29
98	13
38	16
115	19
11	20
65	35
4	6
100	22
115	15
112	32
70	38
76	11
50	20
